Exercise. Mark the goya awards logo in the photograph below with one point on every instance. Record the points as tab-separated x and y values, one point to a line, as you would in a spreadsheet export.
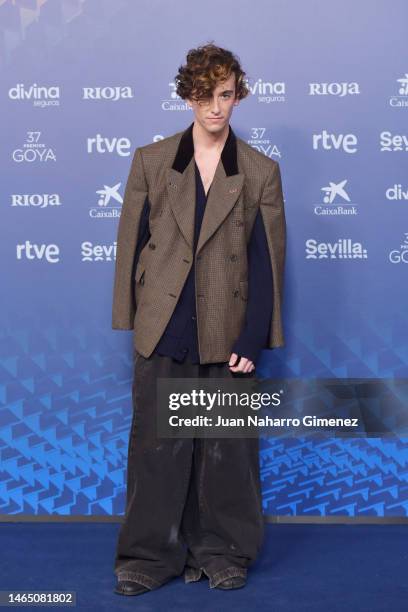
400	99
260	141
400	255
33	150
336	200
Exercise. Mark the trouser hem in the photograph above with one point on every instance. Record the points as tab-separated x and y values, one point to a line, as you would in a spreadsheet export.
193	574
139	577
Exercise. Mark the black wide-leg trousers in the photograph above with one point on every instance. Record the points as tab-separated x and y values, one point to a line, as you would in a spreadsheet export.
193	505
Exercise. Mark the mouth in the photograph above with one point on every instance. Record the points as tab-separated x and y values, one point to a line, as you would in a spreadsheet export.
215	118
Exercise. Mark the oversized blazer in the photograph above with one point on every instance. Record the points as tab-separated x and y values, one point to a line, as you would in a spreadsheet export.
146	291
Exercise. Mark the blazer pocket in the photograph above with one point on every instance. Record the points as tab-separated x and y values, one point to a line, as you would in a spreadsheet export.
140	273
243	289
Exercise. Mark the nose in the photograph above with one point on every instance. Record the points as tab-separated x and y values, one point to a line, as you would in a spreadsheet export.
215	106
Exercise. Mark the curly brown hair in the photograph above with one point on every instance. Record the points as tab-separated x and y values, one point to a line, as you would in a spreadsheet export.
206	67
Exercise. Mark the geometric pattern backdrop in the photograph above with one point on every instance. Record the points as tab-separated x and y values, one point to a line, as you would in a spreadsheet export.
329	101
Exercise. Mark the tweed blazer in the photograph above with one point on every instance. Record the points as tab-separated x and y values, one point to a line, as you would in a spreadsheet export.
145	294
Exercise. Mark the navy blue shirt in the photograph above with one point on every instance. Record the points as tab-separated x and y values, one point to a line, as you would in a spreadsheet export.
180	338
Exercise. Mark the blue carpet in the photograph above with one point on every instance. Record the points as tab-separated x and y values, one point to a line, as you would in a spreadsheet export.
360	568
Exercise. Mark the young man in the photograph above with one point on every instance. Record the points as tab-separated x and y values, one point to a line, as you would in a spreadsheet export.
199	277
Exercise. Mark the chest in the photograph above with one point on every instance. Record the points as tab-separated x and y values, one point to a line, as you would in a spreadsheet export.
207	167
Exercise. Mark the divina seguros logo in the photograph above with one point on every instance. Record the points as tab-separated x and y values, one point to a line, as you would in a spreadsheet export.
40	95
268	92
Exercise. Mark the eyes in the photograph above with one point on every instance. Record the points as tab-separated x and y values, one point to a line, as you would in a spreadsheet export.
207	101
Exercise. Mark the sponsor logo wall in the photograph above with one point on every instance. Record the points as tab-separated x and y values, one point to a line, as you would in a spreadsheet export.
326	105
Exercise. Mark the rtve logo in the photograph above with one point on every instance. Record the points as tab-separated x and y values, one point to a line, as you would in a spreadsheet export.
29	250
328	142
101	144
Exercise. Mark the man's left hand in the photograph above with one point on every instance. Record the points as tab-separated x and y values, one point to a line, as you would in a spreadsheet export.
244	365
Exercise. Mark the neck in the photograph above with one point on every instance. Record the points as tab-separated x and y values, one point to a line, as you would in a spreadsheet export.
204	140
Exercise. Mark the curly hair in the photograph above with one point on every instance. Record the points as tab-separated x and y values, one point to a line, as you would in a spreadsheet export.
206	67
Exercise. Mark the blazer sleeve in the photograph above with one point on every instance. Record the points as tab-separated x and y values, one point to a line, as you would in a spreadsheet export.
255	333
134	201
273	214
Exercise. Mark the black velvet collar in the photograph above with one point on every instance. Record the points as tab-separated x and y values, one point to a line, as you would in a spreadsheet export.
185	152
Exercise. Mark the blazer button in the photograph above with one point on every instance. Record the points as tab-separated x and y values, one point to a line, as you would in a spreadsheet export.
233	257
236	293
198	257
152	245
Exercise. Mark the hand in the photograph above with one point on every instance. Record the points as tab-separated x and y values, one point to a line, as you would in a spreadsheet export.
244	364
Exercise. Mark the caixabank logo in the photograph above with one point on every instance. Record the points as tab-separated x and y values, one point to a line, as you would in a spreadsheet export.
109	202
400	99
173	102
335	201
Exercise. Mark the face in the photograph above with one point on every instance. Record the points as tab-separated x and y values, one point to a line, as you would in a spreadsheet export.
213	114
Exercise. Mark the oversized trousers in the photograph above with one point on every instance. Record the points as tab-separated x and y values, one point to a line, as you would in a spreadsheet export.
193	505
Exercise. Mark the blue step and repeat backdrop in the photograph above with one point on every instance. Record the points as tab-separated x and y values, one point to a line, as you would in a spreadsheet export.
84	82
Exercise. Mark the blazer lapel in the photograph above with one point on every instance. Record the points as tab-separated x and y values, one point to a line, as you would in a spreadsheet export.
224	191
181	194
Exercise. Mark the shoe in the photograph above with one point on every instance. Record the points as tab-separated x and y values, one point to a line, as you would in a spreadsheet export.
130	587
236	582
